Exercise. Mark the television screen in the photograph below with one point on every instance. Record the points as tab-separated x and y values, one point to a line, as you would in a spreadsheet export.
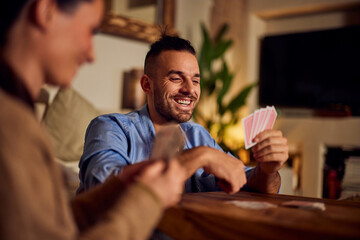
318	70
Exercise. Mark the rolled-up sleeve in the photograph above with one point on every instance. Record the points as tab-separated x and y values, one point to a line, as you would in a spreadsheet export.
105	151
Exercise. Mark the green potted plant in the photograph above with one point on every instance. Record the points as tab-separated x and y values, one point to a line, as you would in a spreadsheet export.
215	84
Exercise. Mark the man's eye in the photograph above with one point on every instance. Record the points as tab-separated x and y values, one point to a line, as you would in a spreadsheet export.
196	81
175	79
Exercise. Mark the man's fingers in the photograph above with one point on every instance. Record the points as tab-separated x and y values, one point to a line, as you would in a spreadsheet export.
233	182
269	142
227	187
267	134
270	149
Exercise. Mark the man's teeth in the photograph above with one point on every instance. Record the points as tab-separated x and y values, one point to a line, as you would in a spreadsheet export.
183	102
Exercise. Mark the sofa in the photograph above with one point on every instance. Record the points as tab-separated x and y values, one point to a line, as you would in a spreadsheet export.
66	114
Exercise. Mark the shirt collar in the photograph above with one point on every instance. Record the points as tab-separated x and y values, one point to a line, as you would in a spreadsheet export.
146	121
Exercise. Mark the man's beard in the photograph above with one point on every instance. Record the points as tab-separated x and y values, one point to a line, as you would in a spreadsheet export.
166	111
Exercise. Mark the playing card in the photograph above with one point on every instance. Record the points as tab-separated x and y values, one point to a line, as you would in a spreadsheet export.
168	142
254	124
272	114
247	124
305	205
266	118
255	205
262	119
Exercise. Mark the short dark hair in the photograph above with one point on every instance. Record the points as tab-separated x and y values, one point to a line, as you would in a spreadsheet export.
166	43
11	9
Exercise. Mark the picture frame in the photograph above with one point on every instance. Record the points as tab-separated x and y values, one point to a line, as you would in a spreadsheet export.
135	29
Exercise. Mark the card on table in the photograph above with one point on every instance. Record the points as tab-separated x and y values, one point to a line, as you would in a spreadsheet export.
262	119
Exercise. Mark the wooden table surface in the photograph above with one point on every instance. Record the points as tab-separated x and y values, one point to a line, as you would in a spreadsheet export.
207	216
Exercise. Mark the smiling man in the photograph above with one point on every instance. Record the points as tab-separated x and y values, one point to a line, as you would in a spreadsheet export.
172	85
117	142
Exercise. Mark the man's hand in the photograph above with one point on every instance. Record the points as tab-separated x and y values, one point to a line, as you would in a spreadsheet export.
271	150
229	170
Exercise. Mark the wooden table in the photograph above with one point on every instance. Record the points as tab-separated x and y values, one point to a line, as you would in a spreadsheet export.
207	216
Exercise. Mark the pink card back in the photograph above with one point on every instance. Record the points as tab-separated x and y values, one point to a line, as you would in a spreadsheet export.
261	121
254	124
247	125
271	118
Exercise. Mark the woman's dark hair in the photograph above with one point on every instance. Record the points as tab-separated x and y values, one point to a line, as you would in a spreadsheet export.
10	11
166	43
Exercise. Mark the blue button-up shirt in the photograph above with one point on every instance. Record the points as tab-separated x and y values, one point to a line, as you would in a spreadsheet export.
114	141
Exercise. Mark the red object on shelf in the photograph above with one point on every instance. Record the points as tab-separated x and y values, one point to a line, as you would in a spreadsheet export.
333	184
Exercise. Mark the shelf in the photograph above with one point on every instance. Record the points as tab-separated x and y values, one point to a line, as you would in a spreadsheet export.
306	10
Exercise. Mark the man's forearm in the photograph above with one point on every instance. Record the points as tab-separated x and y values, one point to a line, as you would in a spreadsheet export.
264	183
192	160
229	170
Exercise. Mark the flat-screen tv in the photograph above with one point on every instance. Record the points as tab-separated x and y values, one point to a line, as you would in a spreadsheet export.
316	70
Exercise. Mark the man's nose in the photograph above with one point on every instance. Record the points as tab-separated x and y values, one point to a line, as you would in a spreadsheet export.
187	86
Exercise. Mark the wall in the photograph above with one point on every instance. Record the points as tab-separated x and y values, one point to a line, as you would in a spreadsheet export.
189	15
101	81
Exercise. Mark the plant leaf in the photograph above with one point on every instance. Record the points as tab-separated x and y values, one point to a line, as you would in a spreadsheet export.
239	100
209	82
206	51
221	32
226	78
221	47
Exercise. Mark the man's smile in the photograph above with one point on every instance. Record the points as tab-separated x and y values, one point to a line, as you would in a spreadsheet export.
185	102
182	101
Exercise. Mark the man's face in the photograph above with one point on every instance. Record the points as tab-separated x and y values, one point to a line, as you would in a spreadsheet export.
69	42
176	85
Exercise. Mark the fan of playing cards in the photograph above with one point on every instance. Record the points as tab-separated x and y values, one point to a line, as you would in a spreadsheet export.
260	120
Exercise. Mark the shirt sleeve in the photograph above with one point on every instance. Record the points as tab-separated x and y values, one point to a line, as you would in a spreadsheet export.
105	151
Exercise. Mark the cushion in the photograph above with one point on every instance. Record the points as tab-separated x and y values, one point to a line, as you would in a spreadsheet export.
66	120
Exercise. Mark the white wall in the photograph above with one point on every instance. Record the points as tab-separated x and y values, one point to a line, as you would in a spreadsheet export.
101	81
189	15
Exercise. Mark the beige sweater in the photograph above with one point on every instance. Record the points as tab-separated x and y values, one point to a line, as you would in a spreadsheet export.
33	202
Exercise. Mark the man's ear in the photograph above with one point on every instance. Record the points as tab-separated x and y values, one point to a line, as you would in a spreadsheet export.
43	12
146	84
